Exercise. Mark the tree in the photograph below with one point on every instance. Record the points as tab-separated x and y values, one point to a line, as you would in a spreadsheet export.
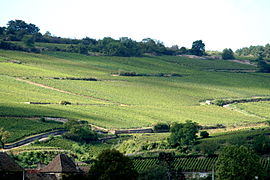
2	30
83	49
183	50
261	144
112	165
4	135
183	134
198	48
263	66
79	131
28	40
227	54
18	28
161	127
157	172
204	134
238	163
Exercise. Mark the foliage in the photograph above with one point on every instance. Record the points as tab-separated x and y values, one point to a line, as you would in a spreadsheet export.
227	54
28	40
64	102
183	134
255	51
22	127
263	66
238	162
157	172
143	143
32	158
198	48
79	132
4	135
261	144
146	99
204	134
208	148
256	139
111	164
161	127
185	163
17	29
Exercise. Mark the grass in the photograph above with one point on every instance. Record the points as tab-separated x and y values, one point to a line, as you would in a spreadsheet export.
256	108
20	128
126	102
60	143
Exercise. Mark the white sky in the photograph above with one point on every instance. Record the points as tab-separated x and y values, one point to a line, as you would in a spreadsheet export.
219	23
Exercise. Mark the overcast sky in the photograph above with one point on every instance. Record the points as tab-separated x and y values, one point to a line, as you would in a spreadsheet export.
219	23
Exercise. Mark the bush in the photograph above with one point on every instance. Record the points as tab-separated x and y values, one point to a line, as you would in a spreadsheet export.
127	74
208	148
42	119
204	134
227	54
79	132
161	127
111	164
64	102
220	102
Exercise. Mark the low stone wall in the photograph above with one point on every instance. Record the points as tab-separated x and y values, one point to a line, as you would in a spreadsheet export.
133	131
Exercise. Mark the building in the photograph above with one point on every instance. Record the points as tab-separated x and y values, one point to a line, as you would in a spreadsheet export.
9	169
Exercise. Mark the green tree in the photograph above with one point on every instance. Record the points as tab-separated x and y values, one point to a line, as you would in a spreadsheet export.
80	132
198	48
29	40
18	28
4	135
204	134
261	144
157	172
238	163
227	54
2	30
263	66
83	49
183	134
112	165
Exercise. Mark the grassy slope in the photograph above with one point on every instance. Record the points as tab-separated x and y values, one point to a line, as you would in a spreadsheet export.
20	128
149	99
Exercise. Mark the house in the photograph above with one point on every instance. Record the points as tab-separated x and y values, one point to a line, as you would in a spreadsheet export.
9	169
60	166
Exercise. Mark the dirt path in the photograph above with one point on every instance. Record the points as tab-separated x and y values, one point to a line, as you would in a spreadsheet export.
67	92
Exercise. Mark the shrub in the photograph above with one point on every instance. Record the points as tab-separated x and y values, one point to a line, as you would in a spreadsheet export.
64	102
127	74
227	54
220	102
42	119
204	134
161	127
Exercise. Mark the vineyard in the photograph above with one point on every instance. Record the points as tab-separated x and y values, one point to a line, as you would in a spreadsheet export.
186	164
116	102
20	127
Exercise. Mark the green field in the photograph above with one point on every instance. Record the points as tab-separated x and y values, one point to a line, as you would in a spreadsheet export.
126	102
20	128
261	109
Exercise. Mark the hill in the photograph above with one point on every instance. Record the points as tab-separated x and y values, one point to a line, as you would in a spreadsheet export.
164	89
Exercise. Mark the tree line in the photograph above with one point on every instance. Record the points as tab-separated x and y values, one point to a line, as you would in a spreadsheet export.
18	30
255	51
